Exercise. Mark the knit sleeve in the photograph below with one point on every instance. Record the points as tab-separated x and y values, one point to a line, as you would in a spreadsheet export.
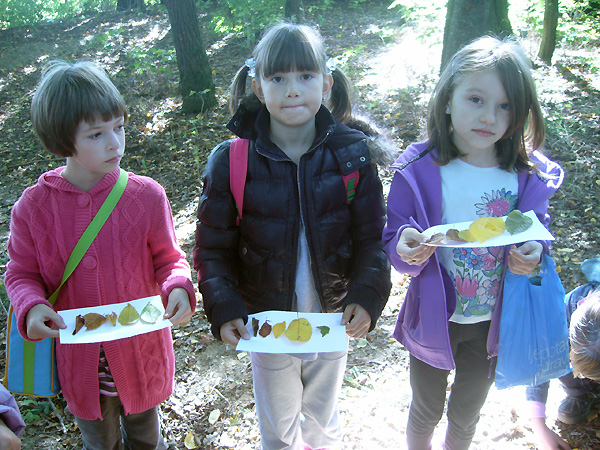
25	285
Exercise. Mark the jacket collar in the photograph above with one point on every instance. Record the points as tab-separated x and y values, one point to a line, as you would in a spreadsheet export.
248	123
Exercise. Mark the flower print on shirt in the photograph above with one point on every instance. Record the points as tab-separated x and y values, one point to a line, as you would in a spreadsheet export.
497	204
477	279
479	269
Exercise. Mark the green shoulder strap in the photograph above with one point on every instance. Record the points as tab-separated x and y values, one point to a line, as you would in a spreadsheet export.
92	230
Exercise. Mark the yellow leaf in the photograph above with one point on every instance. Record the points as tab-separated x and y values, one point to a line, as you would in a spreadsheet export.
112	317
190	441
278	329
299	330
485	228
465	235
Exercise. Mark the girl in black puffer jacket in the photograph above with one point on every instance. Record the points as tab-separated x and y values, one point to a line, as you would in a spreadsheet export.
305	244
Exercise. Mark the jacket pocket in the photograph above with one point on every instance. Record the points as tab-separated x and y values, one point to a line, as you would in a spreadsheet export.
412	305
338	266
252	269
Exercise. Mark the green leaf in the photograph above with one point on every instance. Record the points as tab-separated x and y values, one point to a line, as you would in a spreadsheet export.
324	330
128	316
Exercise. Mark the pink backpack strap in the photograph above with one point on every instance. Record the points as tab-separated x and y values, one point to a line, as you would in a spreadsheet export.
351	182
238	169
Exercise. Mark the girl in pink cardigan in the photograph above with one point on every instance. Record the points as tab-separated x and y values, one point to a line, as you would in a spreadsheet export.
79	114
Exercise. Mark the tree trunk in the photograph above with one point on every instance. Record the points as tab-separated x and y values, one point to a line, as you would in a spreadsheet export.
124	5
195	76
549	36
469	19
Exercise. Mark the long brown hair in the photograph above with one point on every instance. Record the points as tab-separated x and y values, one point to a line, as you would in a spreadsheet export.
526	130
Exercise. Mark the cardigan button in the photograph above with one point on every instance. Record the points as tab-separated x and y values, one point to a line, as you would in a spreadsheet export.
244	251
89	262
83	200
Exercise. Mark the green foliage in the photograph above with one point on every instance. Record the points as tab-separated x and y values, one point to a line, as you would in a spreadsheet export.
26	12
250	17
19	12
576	25
152	59
33	409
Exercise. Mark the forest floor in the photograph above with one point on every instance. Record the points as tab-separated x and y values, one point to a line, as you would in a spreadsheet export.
393	61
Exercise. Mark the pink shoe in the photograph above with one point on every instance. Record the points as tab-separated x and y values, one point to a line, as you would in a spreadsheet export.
308	447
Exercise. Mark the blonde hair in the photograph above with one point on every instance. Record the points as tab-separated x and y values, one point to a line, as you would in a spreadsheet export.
68	94
526	127
584	336
286	47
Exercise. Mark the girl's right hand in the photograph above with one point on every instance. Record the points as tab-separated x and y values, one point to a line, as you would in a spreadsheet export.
546	439
233	331
37	322
410	249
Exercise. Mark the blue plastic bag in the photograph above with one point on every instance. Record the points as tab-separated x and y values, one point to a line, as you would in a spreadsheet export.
534	338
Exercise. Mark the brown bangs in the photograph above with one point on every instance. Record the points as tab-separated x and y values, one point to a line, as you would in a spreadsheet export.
291	48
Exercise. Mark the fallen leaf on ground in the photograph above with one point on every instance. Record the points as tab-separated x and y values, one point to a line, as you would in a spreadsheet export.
190	441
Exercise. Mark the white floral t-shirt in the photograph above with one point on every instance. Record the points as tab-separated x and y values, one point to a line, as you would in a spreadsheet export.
469	193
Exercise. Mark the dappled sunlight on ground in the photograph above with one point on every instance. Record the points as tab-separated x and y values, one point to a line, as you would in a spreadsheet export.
402	64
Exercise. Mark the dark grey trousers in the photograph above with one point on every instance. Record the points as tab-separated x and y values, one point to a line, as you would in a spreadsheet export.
119	431
472	381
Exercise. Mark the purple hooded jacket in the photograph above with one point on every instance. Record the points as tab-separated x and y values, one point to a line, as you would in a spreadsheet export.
415	200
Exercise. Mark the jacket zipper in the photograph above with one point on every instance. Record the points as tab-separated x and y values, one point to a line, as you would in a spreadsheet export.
316	279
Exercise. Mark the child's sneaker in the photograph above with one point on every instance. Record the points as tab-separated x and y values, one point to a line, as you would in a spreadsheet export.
573	410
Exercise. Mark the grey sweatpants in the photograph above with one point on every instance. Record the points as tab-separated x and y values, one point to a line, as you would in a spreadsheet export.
296	399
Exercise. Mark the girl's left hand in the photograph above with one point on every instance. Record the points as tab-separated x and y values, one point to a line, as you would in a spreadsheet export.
357	320
522	260
178	307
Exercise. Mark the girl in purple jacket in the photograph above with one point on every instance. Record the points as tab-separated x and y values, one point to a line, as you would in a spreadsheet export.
484	122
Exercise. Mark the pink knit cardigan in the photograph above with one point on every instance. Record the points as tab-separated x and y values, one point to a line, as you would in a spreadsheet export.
135	255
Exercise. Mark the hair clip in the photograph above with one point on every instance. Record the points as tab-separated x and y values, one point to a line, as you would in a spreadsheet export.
330	65
250	63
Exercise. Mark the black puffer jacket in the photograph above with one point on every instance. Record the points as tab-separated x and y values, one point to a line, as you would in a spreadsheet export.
252	268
